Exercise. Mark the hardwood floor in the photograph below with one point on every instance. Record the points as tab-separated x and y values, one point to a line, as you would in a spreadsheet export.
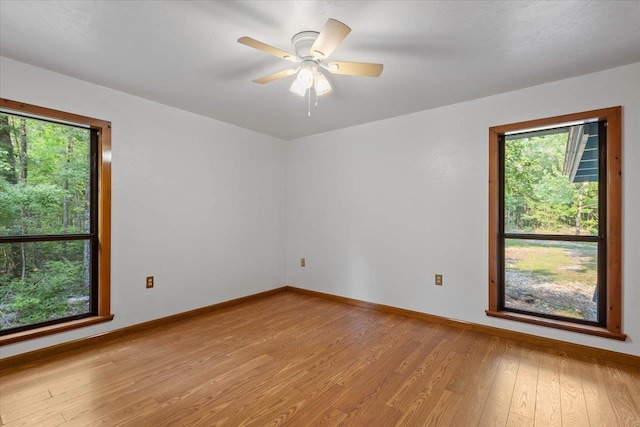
297	360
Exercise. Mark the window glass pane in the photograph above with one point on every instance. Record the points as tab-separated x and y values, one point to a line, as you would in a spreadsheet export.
44	177
43	281
551	181
552	277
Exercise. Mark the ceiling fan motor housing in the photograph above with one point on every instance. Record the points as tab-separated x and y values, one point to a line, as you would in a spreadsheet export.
302	42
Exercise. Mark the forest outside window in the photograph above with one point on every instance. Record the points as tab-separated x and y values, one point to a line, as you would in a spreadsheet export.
54	221
555	213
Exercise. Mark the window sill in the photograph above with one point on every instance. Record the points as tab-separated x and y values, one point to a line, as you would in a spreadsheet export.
558	324
53	329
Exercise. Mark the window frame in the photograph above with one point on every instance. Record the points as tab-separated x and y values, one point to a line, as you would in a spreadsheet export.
103	148
613	227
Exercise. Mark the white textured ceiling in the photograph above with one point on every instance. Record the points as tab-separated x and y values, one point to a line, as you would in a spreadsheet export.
184	53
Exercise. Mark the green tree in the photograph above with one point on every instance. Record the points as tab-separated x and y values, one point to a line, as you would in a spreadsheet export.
538	195
44	189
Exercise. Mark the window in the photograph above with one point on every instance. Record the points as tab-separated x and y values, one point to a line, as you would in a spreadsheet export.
55	174
555	222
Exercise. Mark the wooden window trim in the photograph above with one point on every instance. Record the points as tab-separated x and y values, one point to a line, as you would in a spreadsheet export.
104	220
613	328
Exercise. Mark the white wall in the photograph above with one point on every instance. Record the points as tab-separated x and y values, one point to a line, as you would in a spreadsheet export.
378	209
197	203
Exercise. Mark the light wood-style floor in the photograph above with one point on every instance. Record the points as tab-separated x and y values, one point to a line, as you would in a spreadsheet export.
297	360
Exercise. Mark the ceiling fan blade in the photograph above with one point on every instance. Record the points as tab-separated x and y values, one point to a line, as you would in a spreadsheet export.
355	69
329	38
248	41
275	76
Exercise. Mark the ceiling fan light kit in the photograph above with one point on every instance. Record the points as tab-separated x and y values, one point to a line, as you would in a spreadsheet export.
321	84
303	81
312	48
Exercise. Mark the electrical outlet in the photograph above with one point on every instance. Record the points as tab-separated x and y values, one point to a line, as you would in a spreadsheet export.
303	263
438	279
149	282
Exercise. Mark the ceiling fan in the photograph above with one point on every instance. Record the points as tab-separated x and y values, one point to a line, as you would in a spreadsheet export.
311	50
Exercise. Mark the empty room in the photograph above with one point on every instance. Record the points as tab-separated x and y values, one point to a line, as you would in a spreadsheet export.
349	213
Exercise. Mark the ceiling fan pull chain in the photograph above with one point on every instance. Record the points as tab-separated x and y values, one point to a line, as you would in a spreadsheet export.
316	97
309	110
